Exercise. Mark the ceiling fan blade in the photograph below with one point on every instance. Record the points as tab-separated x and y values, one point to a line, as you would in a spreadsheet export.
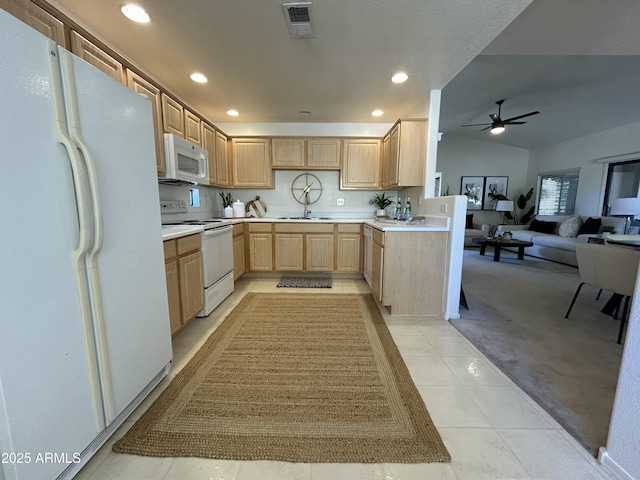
521	116
476	124
514	123
487	128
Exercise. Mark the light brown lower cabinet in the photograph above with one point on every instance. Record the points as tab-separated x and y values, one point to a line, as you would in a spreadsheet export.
289	251
173	293
260	248
349	248
319	252
185	286
238	250
191	285
407	273
305	247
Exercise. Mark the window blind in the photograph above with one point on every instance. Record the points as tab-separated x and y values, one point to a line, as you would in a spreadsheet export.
558	193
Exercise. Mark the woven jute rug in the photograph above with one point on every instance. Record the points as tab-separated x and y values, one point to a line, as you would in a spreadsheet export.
294	377
305	282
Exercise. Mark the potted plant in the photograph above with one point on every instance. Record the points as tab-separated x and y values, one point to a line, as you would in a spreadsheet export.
382	202
524	215
227	202
607	230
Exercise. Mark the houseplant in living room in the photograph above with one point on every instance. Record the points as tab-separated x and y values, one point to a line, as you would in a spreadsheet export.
523	215
382	202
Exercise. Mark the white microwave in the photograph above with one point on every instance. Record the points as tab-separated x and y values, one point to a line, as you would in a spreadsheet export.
185	161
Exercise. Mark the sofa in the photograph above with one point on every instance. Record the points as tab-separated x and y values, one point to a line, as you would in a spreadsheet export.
554	237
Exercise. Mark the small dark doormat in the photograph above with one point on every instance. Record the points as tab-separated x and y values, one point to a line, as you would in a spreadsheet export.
305	282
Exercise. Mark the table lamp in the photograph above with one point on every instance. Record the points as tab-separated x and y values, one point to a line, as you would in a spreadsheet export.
625	207
504	206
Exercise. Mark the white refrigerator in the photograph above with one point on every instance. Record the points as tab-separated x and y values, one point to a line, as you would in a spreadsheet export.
84	323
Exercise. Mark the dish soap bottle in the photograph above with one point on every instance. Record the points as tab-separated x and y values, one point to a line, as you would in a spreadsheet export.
407	210
398	213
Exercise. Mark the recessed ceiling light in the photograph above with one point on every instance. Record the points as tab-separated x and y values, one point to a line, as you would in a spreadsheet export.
377	113
232	113
135	13
399	77
304	113
198	77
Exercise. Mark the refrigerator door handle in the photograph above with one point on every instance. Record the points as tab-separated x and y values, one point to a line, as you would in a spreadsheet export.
83	202
91	261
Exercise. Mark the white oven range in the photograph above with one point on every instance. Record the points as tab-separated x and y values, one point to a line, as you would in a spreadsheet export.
217	261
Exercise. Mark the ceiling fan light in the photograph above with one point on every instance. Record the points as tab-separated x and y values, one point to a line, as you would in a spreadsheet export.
497	129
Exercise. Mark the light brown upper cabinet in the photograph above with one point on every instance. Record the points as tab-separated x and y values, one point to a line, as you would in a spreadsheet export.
360	164
288	152
97	57
390	158
297	153
208	136
216	144
192	127
172	116
405	154
323	153
36	18
139	85
251	163
222	161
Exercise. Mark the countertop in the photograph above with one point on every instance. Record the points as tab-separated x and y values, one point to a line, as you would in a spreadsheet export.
432	224
175	231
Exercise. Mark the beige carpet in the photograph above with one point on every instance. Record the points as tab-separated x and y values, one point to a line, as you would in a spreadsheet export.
516	318
294	377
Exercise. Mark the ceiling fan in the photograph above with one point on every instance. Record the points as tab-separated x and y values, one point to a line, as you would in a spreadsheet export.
497	124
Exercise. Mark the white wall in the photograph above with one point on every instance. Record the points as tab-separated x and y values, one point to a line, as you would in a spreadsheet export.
454	207
590	154
280	201
621	453
460	156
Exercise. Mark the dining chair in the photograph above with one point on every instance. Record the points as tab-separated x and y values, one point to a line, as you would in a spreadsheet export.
608	268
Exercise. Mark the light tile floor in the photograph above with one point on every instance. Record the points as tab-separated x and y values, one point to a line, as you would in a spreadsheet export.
491	428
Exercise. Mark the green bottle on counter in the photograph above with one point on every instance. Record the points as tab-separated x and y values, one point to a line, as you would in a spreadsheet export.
407	210
398	214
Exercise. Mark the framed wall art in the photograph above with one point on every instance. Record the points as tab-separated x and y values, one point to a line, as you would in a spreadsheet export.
472	187
493	188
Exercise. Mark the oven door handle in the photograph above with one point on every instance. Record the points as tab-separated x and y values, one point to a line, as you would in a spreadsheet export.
217	231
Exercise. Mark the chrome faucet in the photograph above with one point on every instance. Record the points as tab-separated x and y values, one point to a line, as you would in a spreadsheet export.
307	212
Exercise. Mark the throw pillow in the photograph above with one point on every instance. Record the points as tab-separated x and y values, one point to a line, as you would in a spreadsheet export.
590	226
542	227
469	223
570	227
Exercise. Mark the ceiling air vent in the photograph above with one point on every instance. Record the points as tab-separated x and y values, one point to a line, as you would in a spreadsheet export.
298	16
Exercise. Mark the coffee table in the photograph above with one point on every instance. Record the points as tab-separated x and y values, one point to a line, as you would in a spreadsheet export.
499	243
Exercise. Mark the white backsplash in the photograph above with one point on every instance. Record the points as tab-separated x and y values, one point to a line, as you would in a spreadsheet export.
279	200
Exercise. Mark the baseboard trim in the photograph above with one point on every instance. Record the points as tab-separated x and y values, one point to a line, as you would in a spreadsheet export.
615	471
